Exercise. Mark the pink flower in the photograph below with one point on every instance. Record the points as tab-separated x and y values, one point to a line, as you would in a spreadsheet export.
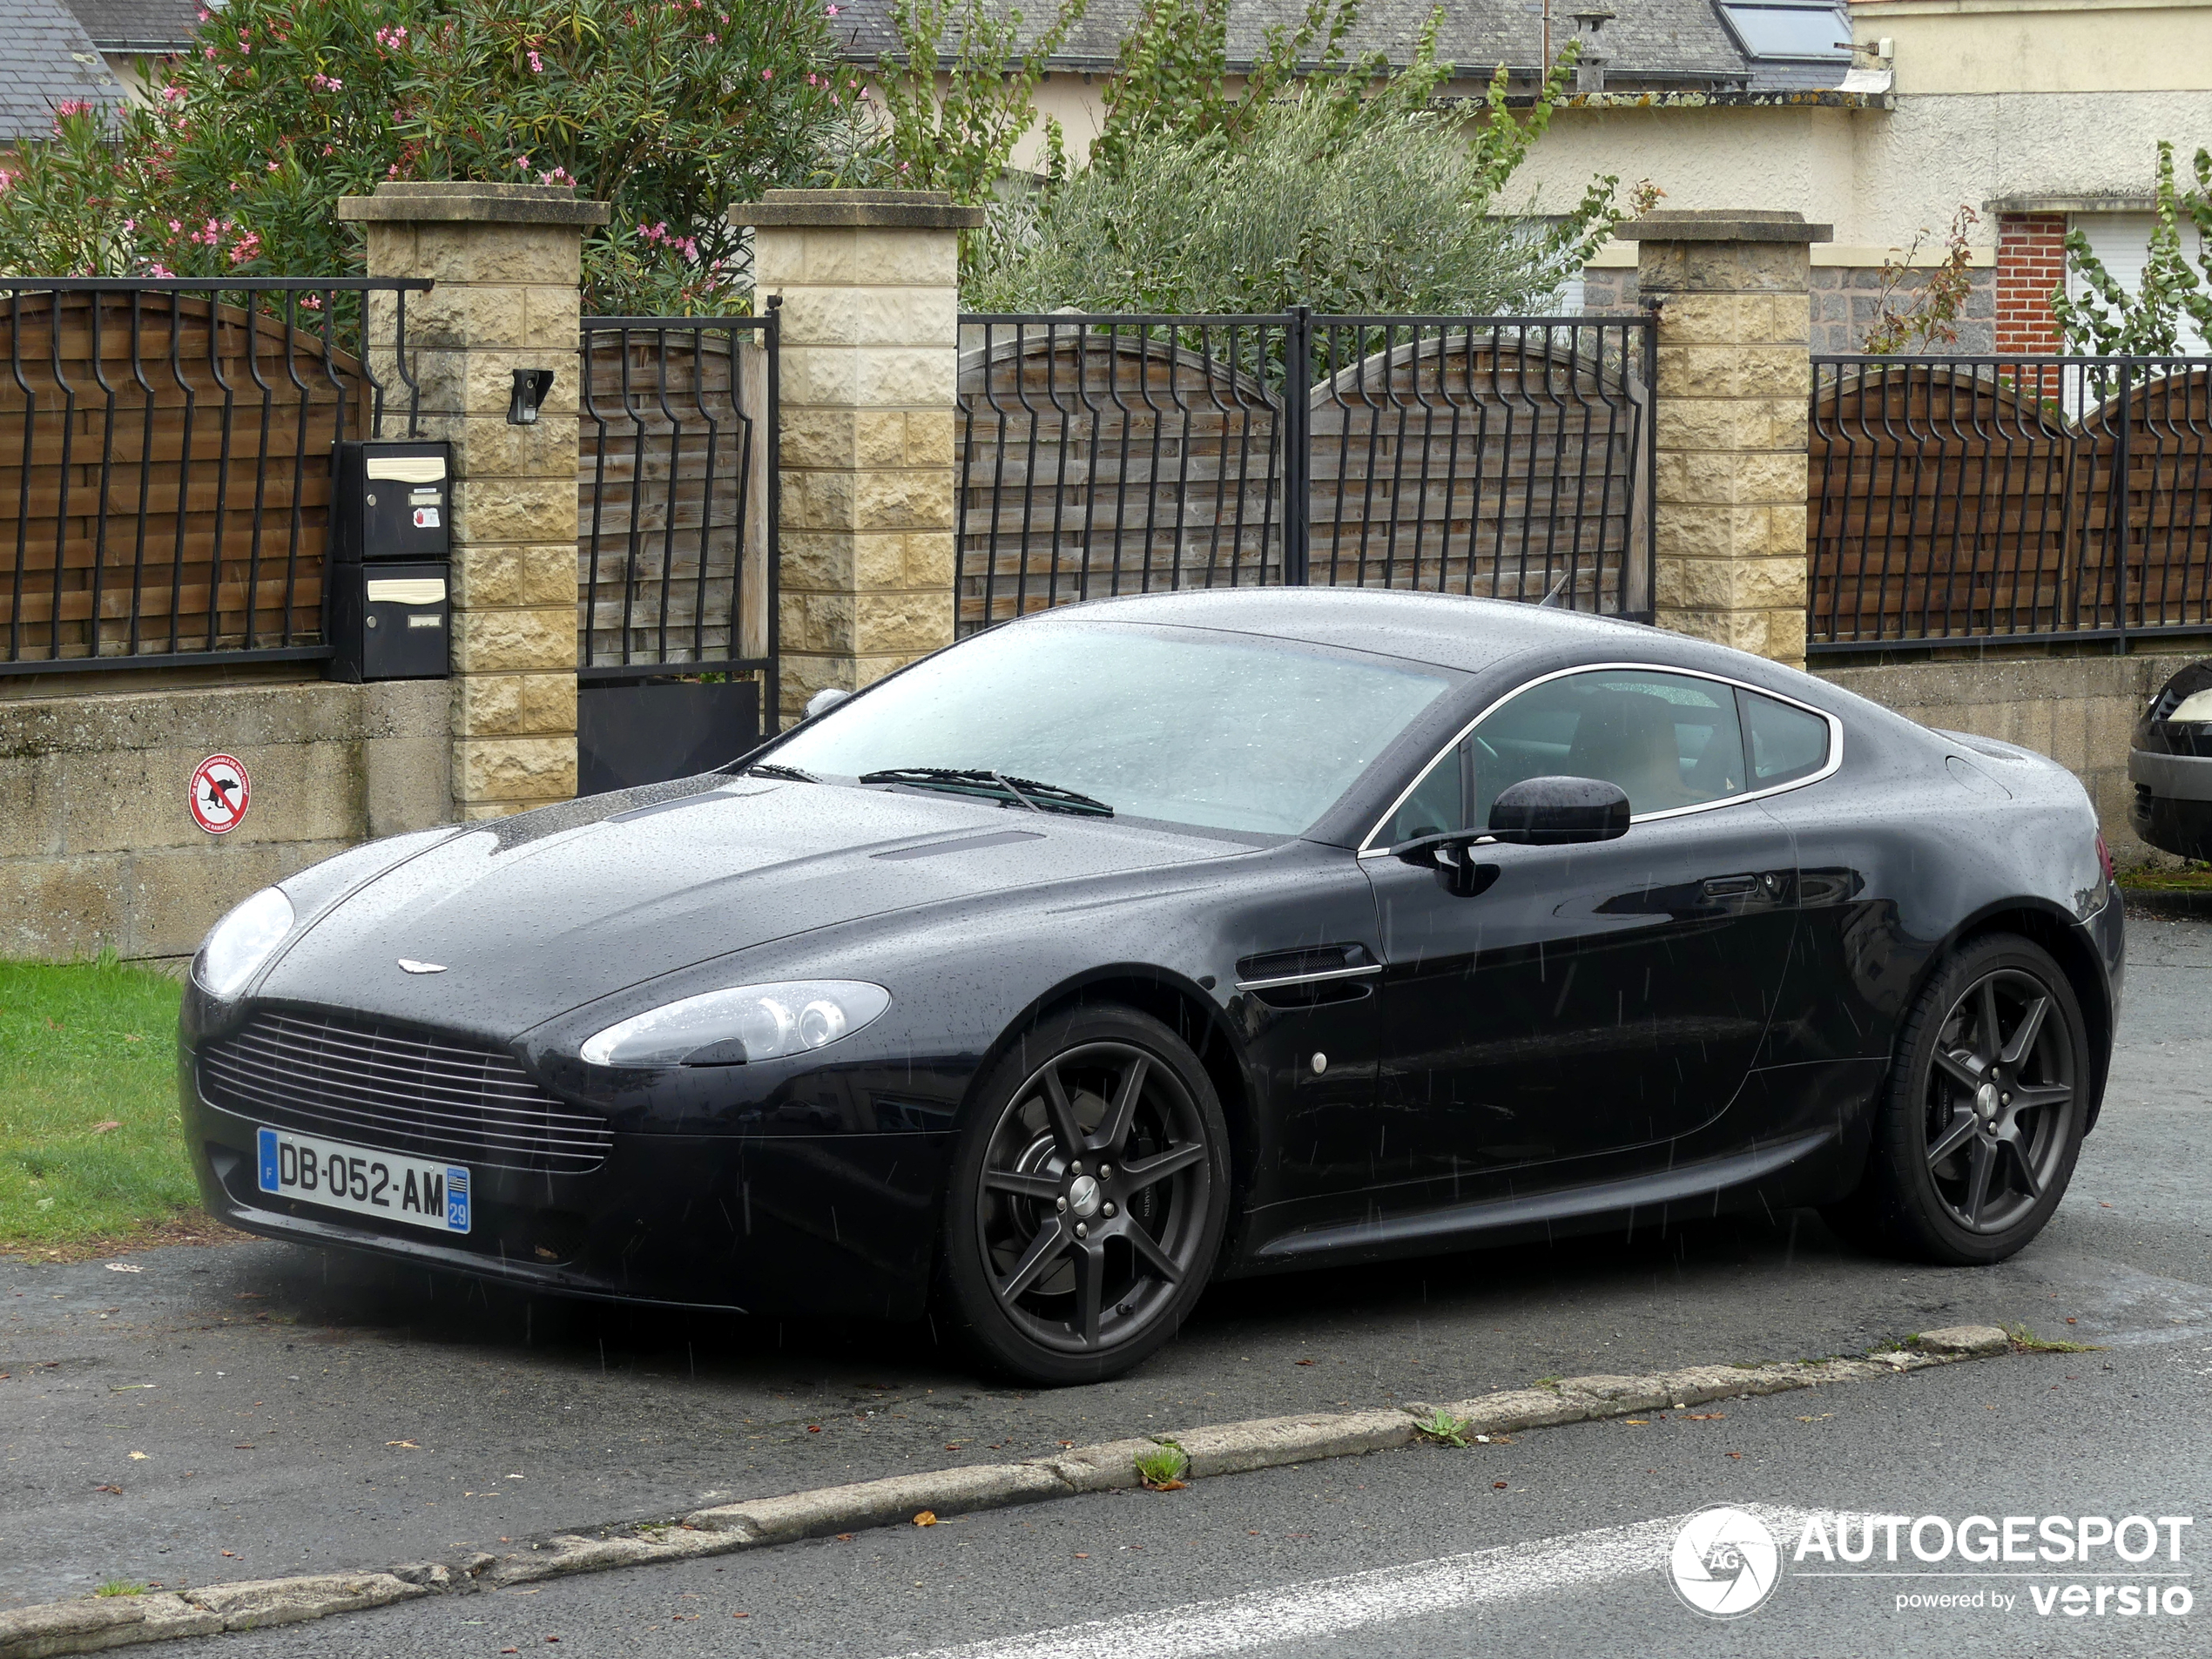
247	246
767	74
537	63
273	167
864	95
155	268
208	52
831	11
174	227
69	106
713	39
311	302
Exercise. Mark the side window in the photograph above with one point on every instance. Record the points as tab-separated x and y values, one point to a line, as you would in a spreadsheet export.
1438	803
1666	739
1786	744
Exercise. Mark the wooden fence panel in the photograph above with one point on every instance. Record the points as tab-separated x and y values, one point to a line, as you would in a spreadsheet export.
165	475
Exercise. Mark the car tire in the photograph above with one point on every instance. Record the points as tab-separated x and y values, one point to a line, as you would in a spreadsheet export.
1978	1128
1084	1210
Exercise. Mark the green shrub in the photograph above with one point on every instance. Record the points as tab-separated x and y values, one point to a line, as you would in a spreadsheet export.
670	110
1394	210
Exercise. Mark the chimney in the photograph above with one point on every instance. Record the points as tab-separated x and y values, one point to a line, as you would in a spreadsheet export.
1589	29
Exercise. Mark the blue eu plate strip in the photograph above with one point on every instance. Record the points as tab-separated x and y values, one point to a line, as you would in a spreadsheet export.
456	1198
267	1141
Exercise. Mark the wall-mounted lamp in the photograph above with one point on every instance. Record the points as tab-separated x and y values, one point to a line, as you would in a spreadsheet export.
530	386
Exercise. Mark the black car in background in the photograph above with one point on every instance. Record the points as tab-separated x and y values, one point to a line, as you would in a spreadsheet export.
2169	761
1147	942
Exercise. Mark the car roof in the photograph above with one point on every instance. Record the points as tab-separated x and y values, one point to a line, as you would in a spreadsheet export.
1446	630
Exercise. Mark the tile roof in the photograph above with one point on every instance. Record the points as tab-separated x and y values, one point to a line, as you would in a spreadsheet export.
1677	41
45	59
147	26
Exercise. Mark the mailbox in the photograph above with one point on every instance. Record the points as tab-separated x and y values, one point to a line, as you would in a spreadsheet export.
392	501
390	621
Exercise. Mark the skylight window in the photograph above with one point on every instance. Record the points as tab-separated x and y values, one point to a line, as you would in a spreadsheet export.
1800	34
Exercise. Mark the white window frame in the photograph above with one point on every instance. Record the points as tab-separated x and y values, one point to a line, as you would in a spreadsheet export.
1369	848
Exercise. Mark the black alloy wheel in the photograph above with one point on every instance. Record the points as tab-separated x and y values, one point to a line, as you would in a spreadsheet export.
1088	1199
1985	1110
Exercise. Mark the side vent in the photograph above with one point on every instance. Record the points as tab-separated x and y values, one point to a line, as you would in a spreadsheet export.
1310	977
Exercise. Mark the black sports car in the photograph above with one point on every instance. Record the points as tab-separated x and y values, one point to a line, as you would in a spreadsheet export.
1151	942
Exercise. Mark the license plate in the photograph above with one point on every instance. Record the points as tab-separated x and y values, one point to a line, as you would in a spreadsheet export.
359	1178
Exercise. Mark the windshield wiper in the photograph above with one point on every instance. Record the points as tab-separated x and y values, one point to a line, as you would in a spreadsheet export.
771	769
982	781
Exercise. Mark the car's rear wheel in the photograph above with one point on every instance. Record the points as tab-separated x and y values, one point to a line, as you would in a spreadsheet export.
1087	1199
1983	1115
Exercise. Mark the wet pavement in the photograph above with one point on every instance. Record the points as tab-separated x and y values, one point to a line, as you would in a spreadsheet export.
257	1409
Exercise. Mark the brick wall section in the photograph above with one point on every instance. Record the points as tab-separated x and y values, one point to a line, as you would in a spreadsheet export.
2030	266
868	281
506	261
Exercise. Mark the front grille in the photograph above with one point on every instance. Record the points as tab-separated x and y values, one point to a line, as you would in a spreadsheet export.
398	1087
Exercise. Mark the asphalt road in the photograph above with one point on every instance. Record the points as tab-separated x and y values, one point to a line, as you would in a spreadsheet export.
309	1413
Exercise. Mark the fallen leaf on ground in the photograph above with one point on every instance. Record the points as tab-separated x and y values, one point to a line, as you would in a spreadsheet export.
103	1128
1498	1486
1082	1556
844	1538
1707	1416
927	1518
249	1295
410	1444
741	1615
1735	1454
813	1428
1167	1486
1639	1422
232	1553
116	1490
124	1267
243	1446
1301	1362
137	1457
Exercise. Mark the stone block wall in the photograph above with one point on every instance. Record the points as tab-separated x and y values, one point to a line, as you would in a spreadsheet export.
867	287
1847	299
98	850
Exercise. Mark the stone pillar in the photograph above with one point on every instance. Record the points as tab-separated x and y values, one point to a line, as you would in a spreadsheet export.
868	281
1730	291
507	262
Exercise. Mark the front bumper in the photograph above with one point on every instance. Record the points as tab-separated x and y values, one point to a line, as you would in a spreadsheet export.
793	1225
2172	808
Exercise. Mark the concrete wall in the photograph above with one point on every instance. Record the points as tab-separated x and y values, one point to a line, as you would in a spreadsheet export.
98	851
2077	710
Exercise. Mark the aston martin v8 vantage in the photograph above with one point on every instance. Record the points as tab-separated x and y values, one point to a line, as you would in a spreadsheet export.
1147	942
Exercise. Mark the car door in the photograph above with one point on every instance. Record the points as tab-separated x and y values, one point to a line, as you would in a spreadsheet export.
1590	999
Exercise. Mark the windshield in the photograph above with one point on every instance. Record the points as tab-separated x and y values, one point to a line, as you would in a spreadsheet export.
1218	729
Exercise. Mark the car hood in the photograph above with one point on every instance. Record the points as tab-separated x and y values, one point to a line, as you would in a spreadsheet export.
526	918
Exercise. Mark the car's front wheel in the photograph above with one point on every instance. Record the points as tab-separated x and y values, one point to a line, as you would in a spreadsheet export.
1983	1113
1087	1199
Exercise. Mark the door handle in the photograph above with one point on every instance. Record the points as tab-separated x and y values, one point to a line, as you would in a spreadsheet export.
1731	887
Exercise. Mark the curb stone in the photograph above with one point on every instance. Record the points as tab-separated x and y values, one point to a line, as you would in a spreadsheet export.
91	1624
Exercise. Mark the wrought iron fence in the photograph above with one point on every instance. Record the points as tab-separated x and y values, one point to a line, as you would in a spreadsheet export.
1504	457
166	449
1965	500
676	545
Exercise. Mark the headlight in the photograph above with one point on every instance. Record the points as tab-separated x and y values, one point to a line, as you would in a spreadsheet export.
241	942
748	1023
2197	706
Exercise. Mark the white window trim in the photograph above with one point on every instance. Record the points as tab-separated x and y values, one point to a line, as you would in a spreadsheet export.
1369	849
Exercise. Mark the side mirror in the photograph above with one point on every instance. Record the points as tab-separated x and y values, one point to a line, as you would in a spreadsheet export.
1559	812
825	699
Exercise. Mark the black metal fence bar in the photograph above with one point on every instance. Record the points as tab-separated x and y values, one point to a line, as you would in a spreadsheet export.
1507	458
677	548
166	449
1979	500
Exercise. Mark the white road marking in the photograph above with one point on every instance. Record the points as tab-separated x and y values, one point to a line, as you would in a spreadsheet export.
1381	1595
